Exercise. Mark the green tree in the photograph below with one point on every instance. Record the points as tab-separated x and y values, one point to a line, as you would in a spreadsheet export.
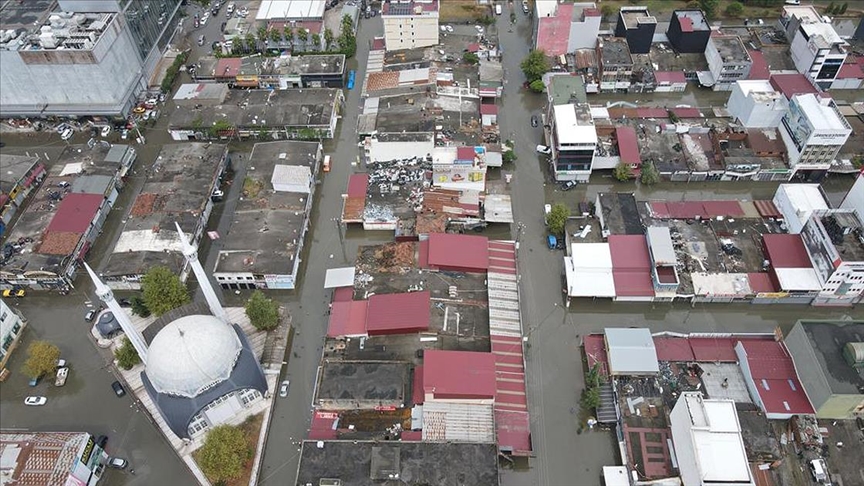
608	11
224	453
328	38
649	175
288	34
42	359
275	35
734	9
347	40
470	58
218	127
590	399
163	290
251	43
843	8
263	313
303	36
557	218
316	41
830	8
139	307
537	86
709	7
126	355
535	65
622	172
262	36
508	156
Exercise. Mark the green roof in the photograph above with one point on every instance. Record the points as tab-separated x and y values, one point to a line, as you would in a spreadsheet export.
566	89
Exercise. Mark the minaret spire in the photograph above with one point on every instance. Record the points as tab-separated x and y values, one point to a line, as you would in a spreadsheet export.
107	296
191	254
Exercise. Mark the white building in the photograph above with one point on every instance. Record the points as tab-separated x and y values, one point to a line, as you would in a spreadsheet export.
855	198
756	104
385	147
409	24
797	202
835	243
573	142
816	49
589	271
584	26
814	131
708	442
728	61
12	325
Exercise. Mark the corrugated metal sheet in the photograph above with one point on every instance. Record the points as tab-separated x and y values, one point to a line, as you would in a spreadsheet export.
660	242
767	209
628	145
461	422
458	252
75	213
403	313
459	374
786	251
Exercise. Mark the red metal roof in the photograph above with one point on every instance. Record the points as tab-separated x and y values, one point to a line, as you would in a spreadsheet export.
411	435
553	33
466	253
670	77
692	209
786	251
686	23
595	352
761	282
486	109
767	209
398	313
423	257
378	44
342	294
673	349
357	185
628	145
417	395
714	349
651	113
792	84
459	374
322	427
466	152
75	213
759	69
502	257
775	378
629	252
347	318
473	47
633	283
513	430
227	67
851	69
687	112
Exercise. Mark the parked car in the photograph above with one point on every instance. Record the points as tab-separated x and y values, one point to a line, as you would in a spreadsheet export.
534	121
118	389
67	134
544	149
90	314
62	374
117	463
106	130
283	389
124	134
201	40
35	401
525	7
568	185
35	381
230	9
124	302
14	293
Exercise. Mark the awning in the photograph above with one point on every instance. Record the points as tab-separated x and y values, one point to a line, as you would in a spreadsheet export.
339	277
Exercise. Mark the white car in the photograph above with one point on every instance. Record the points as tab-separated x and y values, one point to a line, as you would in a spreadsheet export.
243	12
67	134
106	130
283	389
124	134
35	401
203	21
117	463
230	9
544	149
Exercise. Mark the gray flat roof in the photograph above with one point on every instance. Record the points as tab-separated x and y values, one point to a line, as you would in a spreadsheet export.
314	64
267	228
731	48
615	52
660	242
695	16
419	463
306	107
13	168
631	351
363	381
828	339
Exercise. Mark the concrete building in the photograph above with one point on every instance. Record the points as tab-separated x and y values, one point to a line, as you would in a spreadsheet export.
51	458
670	81
855	198
573	142
834	239
385	147
728	62
12	325
797	202
60	223
20	175
704	430
637	26
410	24
813	131
755	104
829	358
263	245
817	51
616	65
178	189
688	31
80	57
283	72
564	27
664	262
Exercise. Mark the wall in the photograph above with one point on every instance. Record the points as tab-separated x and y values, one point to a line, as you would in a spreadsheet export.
398	31
687	465
386	151
855	198
802	57
583	35
807	365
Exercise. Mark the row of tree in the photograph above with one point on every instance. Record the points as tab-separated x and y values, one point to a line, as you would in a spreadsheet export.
299	39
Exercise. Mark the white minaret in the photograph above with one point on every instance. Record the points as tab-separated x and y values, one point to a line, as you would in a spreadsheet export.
106	296
191	254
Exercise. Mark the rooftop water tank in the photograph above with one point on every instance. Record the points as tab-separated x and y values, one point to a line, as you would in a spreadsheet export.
854	354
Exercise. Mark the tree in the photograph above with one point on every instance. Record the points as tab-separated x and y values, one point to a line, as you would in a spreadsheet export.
557	218
843	8
709	7
224	453
163	290
126	355
537	86
590	399
42	359
316	41
470	58
288	34
139	307
251	43
535	65
328	38
622	171
830	8
218	127
303	35
649	176
734	9
262	37
347	40
263	313
275	35
508	156
608	11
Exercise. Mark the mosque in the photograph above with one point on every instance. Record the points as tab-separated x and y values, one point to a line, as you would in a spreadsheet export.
199	370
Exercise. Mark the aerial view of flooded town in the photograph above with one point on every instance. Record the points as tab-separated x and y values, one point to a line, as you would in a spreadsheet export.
431	242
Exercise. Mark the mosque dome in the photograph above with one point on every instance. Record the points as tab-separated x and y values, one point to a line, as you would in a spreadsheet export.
192	354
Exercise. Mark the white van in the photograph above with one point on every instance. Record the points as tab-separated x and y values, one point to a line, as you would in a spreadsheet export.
498	9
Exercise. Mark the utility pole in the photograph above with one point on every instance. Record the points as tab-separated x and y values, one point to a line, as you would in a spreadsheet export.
339	229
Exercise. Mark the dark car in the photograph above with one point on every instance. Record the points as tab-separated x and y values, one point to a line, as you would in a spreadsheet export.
568	185
118	389
125	302
534	121
102	441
